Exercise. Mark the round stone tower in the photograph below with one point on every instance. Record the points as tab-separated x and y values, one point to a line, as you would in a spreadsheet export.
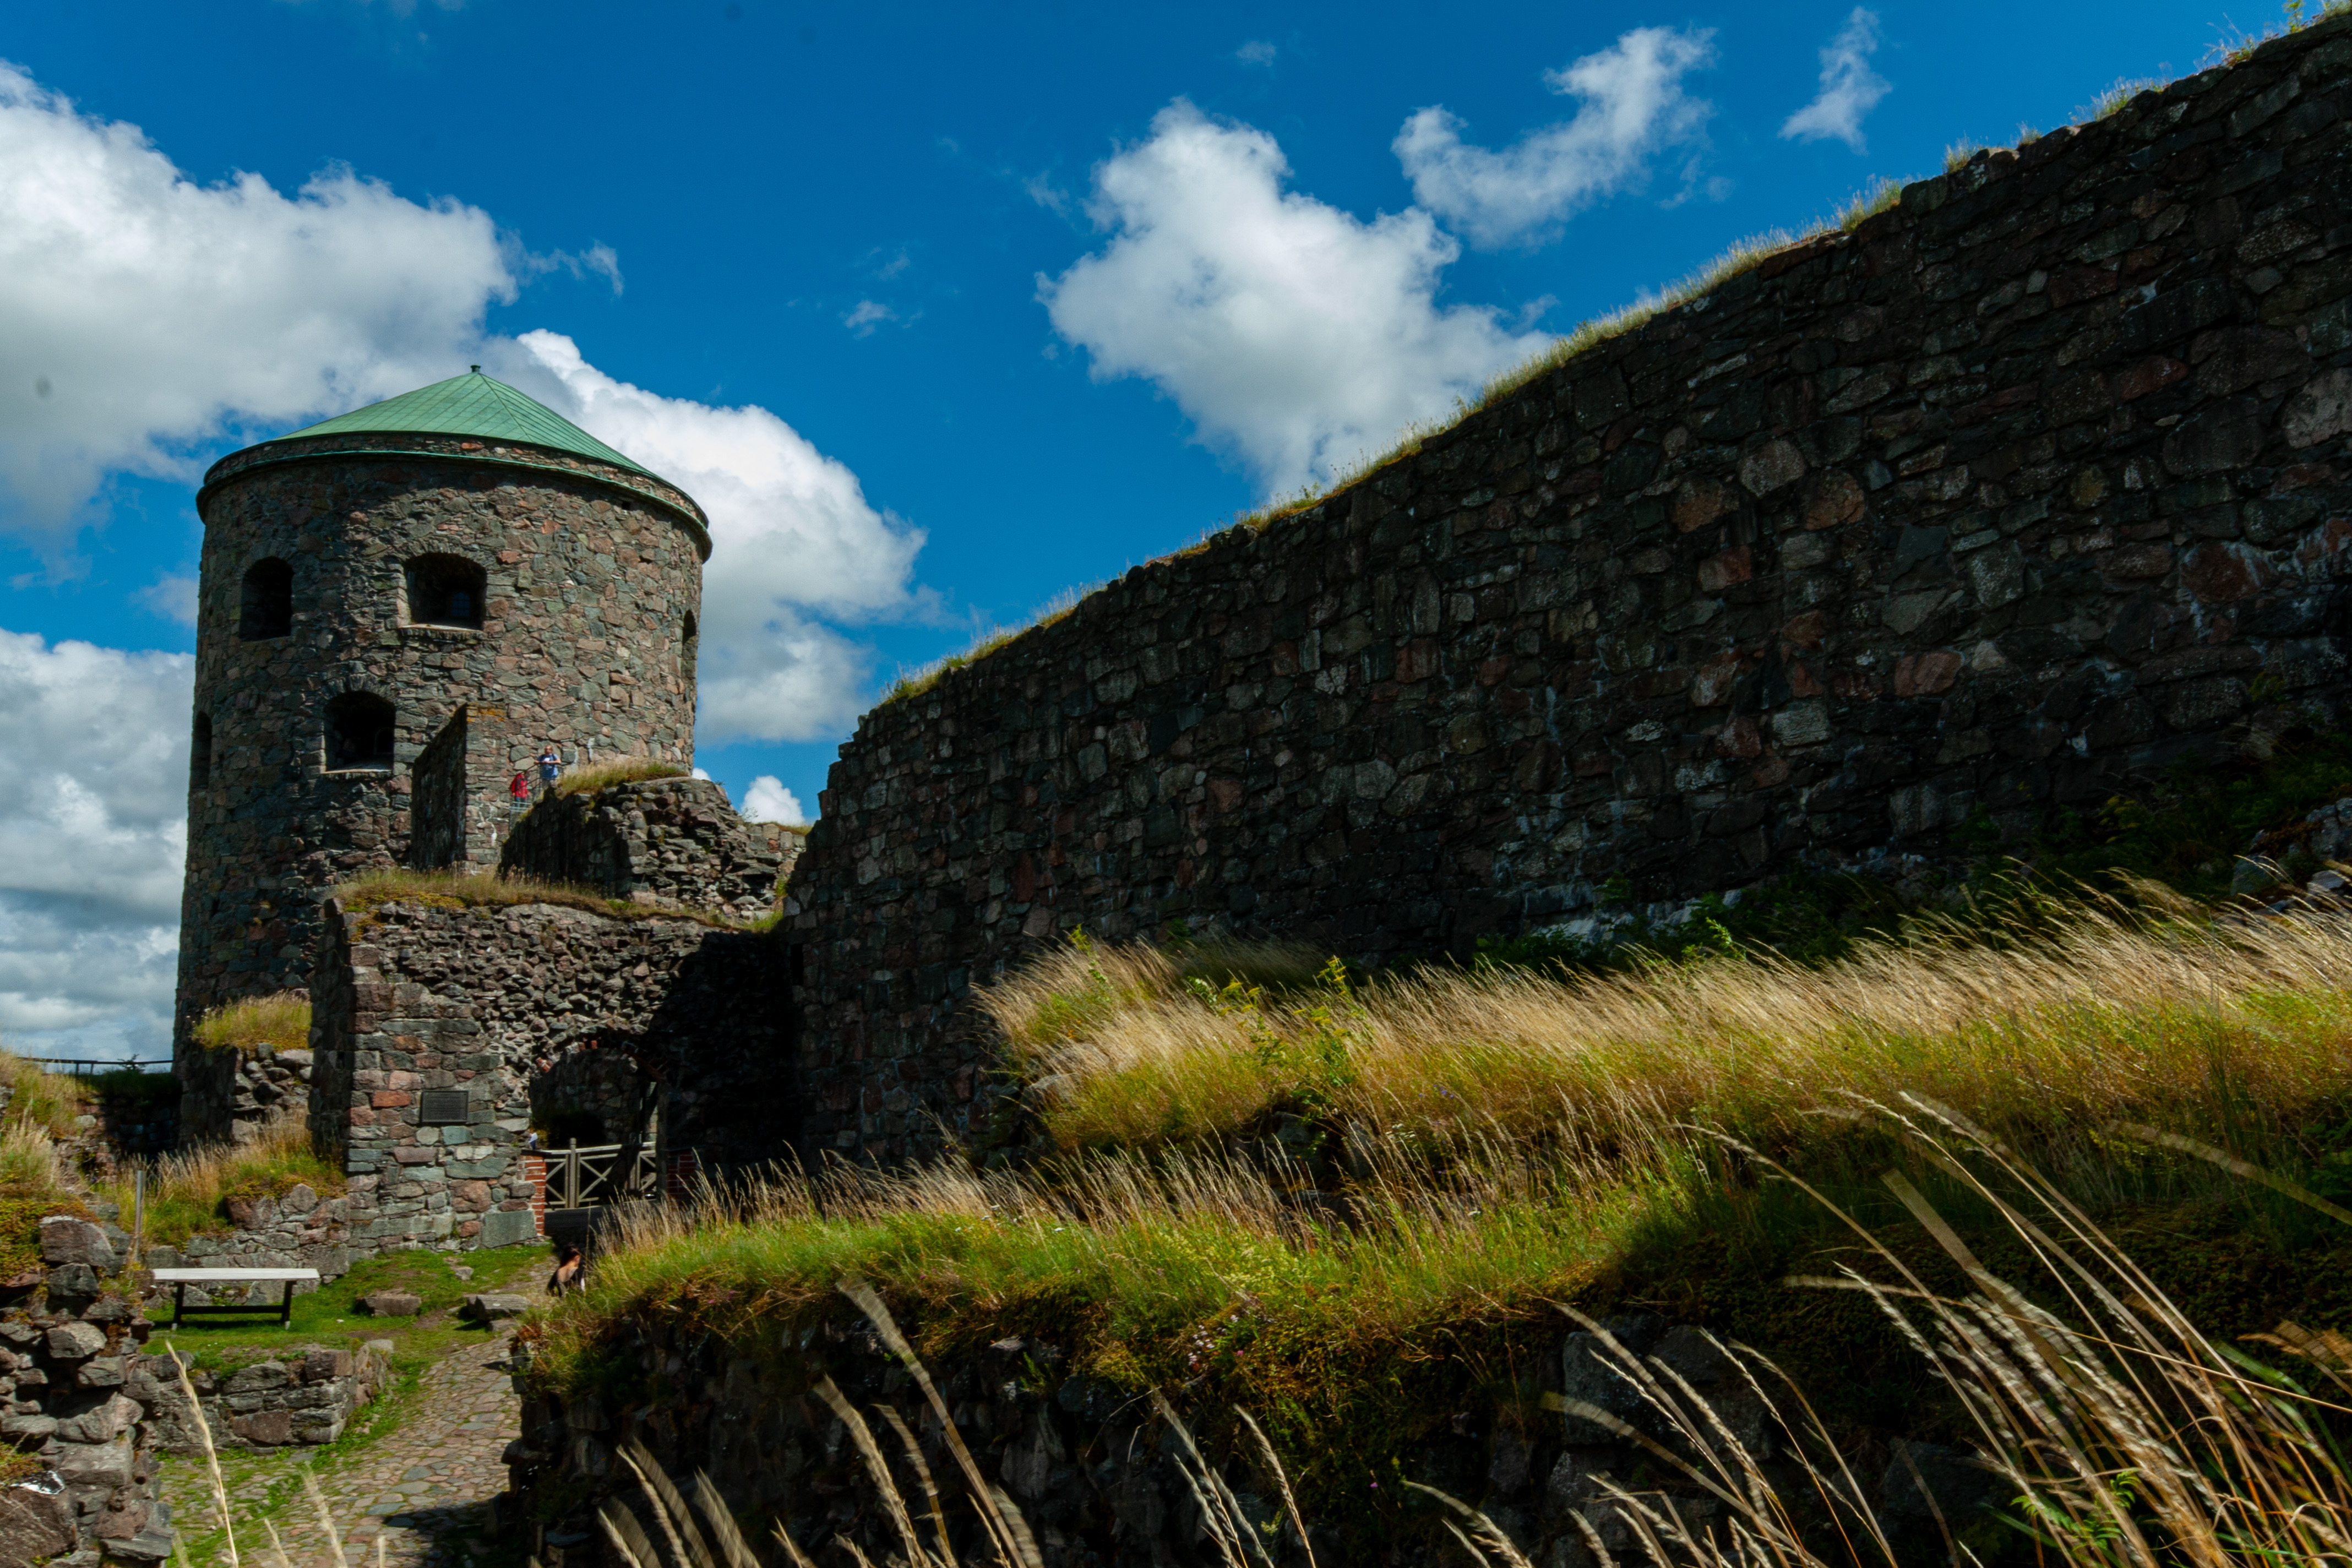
398	609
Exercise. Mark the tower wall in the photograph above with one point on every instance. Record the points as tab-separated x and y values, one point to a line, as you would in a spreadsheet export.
591	585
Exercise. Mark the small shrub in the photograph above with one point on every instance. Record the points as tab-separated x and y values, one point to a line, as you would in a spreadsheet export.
281	1021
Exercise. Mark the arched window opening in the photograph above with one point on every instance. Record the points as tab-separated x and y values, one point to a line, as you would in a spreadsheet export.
688	647
200	753
445	591
265	604
359	733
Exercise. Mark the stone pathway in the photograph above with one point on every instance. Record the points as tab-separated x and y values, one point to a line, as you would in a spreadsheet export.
424	1488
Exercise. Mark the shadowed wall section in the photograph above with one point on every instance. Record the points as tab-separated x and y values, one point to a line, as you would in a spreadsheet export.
2018	494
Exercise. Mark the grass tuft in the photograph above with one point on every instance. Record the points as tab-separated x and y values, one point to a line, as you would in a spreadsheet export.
281	1021
915	682
587	778
484	889
188	1192
2117	98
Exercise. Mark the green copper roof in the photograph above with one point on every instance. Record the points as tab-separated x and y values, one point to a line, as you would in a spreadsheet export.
476	405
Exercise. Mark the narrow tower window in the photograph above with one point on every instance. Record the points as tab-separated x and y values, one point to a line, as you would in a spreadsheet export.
200	753
688	647
445	591
359	733
266	606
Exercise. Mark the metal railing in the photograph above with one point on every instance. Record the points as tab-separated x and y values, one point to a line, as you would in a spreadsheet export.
80	1069
599	1175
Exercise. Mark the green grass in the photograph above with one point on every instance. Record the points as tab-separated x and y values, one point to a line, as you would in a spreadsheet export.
589	778
281	1021
489	890
1356	1207
332	1317
187	1192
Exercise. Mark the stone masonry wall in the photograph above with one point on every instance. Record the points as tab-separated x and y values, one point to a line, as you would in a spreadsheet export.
1094	1471
300	1396
410	998
594	578
2016	495
77	1390
674	840
234	1097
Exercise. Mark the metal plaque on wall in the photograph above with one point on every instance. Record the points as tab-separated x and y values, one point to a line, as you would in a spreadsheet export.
444	1108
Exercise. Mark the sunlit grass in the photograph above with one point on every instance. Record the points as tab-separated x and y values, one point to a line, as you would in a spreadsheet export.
280	1020
587	778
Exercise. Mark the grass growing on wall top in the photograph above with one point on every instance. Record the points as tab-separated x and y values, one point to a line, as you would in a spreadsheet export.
281	1021
587	778
487	889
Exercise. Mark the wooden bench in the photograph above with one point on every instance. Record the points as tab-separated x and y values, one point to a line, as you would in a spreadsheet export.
179	1280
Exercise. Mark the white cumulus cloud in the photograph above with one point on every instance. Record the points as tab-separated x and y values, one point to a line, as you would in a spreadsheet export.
1631	106
146	320
792	537
1849	87
1292	333
143	314
769	800
93	834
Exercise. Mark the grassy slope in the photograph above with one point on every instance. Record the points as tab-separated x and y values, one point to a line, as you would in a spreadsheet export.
1355	1210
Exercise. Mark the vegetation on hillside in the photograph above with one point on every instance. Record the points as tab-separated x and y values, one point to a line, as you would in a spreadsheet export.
1354	1205
2118	1429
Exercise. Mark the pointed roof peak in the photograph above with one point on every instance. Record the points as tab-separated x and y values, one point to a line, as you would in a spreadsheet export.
472	405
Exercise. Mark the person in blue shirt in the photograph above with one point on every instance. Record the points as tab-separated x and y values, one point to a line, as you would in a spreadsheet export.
549	765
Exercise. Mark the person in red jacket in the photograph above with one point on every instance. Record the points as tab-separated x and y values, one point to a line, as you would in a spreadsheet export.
519	788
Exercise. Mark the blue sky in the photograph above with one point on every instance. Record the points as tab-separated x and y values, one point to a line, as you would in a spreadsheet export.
948	309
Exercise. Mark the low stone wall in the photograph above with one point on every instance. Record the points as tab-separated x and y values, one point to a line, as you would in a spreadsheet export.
674	840
233	1096
1093	1469
434	1024
307	1394
297	1229
81	1395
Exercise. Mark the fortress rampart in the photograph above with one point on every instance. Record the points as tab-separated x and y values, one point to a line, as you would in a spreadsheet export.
2018	493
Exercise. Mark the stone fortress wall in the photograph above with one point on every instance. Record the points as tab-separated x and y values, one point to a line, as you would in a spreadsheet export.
2015	495
318	558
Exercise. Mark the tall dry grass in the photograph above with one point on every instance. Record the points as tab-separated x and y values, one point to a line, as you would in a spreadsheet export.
2120	1434
186	1190
2108	1016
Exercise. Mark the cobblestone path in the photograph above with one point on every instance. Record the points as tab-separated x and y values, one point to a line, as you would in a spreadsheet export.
424	1488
